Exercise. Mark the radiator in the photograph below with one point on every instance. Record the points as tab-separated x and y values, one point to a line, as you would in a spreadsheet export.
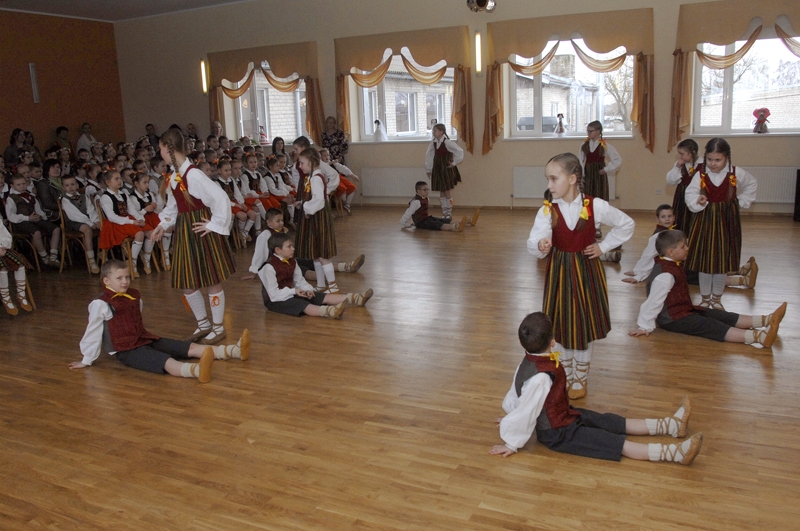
776	184
530	183
390	182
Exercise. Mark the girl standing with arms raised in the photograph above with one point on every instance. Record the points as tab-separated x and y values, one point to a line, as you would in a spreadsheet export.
440	162
715	194
202	258
575	293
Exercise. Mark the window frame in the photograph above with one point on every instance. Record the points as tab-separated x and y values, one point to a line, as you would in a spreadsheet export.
253	94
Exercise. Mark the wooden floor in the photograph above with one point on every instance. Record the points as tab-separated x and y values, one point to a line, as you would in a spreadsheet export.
383	420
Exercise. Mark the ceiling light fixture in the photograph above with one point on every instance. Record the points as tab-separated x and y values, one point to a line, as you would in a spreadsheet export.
481	5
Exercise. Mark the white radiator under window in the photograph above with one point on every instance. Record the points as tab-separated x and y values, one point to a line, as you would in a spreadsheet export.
530	183
391	182
776	184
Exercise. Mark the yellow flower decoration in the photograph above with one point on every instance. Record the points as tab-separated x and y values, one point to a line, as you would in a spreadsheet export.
733	179
585	209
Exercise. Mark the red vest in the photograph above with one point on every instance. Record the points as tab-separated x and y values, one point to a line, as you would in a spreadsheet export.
593	157
284	273
678	303
422	211
686	175
125	330
556	405
723	193
574	241
183	205
442	151
660	228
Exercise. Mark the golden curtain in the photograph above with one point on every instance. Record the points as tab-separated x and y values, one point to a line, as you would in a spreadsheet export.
462	106
493	125
426	78
283	86
718	62
370	79
599	65
536	68
681	108
315	115
342	104
643	111
790	43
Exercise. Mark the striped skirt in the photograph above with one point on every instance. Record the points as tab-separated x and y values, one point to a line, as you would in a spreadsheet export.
715	241
576	299
199	261
443	177
595	184
683	216
13	261
315	236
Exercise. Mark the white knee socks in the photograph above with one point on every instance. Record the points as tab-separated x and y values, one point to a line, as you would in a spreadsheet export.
135	248
198	306
217	303
166	241
447	207
330	277
320	272
706	283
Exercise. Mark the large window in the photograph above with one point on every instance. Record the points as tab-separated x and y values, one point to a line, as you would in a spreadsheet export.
569	87
277	113
407	108
767	76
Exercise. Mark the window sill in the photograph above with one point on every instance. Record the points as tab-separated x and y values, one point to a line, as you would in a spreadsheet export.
744	134
575	137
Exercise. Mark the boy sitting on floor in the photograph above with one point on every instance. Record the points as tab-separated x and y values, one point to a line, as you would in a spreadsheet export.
417	214
115	323
669	305
538	401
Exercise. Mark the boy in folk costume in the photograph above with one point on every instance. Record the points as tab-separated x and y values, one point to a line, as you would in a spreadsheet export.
416	215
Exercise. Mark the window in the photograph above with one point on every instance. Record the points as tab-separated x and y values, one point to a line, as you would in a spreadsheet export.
569	87
407	108
278	113
767	76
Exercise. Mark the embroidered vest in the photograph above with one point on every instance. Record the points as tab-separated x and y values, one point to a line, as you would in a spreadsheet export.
125	330
556	412
25	203
574	241
79	202
143	201
228	187
596	156
284	273
253	182
120	207
678	303
422	211
725	192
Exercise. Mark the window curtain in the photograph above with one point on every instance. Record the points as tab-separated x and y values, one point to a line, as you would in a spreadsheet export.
631	28
790	43
729	18
425	47
720	62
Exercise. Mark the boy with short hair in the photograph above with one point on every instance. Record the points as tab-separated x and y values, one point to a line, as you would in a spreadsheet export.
538	401
81	216
417	214
27	217
670	307
115	324
284	289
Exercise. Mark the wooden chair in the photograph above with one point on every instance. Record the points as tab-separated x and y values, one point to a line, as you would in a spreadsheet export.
66	238
28	240
337	203
238	240
103	254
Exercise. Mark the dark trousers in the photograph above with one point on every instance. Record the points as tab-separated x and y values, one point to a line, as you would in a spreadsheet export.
152	357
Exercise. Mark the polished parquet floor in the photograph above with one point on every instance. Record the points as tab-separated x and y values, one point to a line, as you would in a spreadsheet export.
383	420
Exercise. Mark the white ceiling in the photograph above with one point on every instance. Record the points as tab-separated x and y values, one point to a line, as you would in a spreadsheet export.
109	10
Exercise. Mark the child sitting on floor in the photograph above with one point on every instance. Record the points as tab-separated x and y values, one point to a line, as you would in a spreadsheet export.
538	401
669	305
115	324
417	214
286	291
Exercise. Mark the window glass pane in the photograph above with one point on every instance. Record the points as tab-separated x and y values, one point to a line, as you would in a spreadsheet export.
711	91
768	76
401	113
525	97
279	113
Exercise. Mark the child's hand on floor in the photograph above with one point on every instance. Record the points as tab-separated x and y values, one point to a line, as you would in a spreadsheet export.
248	277
497	420
638	332
77	365
630	280
501	449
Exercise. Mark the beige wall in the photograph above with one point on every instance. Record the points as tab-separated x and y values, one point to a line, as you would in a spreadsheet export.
159	60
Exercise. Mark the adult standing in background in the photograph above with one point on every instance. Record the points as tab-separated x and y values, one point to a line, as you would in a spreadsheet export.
191	131
216	128
333	138
15	145
62	140
86	139
30	145
150	129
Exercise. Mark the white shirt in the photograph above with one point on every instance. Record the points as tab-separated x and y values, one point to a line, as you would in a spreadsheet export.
11	209
74	214
746	188
649	310
85	142
204	189
645	264
244	183
517	427
108	209
318	195
452	147
92	341
330	174
276	186
270	281
133	203
675	175
413	206
261	252
342	169
614	161
237	195
622	225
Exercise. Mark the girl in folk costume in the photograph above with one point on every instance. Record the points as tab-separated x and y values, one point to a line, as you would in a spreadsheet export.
121	223
144	203
12	261
599	161
575	294
680	176
315	238
717	191
202	257
440	162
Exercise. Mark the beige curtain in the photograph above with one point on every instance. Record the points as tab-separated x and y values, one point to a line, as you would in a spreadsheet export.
718	62
680	111
315	115
235	93
598	65
213	105
493	124
462	106
342	105
374	77
283	86
790	43
536	68
426	78
643	111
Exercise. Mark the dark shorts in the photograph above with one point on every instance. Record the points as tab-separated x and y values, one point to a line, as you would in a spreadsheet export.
710	324
32	227
152	357
596	435
431	223
295	305
74	226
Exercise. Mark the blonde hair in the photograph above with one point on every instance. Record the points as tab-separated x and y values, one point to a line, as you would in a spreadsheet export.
571	166
313	157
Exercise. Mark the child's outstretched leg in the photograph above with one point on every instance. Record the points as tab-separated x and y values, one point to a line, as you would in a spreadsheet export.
195	300
241	350
351	267
329	310
359	299
136	248
201	371
579	385
674	426
475	215
456	227
22	289
5	294
745	330
216	299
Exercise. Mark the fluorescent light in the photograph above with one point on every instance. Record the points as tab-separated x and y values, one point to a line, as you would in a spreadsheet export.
203	76
478	54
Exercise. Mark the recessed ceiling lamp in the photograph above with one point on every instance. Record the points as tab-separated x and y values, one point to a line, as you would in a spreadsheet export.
481	5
